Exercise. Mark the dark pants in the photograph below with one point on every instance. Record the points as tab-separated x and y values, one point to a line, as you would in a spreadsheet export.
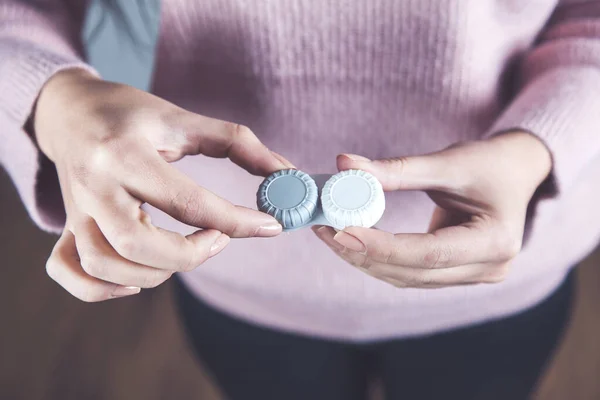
502	359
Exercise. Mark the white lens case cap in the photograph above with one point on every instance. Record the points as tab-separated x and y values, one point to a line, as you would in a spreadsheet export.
298	200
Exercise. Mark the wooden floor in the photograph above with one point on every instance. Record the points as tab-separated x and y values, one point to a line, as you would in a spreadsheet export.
55	347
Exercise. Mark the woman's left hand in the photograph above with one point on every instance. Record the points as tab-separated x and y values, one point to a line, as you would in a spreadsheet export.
482	190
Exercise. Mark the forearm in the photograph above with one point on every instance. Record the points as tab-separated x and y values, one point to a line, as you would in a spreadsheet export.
559	93
37	40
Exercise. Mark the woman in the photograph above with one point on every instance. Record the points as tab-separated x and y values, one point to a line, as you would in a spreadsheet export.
479	118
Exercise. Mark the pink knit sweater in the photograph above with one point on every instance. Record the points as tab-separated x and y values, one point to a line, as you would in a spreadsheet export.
379	78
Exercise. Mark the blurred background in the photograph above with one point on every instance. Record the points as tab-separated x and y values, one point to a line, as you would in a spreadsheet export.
53	346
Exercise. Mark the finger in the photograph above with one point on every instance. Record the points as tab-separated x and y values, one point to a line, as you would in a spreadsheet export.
216	138
100	260
326	234
463	275
129	231
359	260
64	268
283	160
166	188
428	172
447	247
417	277
402	285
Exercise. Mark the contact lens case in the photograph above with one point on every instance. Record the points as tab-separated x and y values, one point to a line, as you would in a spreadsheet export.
298	200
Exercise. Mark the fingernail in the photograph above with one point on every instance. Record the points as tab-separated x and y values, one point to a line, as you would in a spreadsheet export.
321	233
355	157
121	291
318	228
218	245
268	230
350	242
322	229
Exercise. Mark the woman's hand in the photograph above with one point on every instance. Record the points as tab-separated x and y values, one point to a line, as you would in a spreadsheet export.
482	190
112	145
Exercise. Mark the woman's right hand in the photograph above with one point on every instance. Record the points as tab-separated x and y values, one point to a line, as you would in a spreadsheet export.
112	145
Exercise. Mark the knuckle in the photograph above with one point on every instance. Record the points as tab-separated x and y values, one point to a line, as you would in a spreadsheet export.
390	254
126	245
399	165
102	158
242	132
193	261
513	248
189	258
236	229
53	268
230	224
355	259
387	255
92	264
385	252
172	116
437	257
189	266
361	261
506	245
189	205
172	123
155	279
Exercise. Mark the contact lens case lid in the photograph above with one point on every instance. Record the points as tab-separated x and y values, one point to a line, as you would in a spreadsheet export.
290	196
352	198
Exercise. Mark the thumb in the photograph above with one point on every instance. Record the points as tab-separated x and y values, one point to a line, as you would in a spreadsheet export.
427	172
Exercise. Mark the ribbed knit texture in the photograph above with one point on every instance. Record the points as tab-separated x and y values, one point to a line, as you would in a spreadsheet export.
380	78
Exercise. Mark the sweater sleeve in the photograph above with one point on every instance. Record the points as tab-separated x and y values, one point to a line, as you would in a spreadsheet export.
37	39
559	91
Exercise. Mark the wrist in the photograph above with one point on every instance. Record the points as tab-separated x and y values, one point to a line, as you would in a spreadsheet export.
527	152
56	98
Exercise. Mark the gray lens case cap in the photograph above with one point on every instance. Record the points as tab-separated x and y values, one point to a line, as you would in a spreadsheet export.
298	200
